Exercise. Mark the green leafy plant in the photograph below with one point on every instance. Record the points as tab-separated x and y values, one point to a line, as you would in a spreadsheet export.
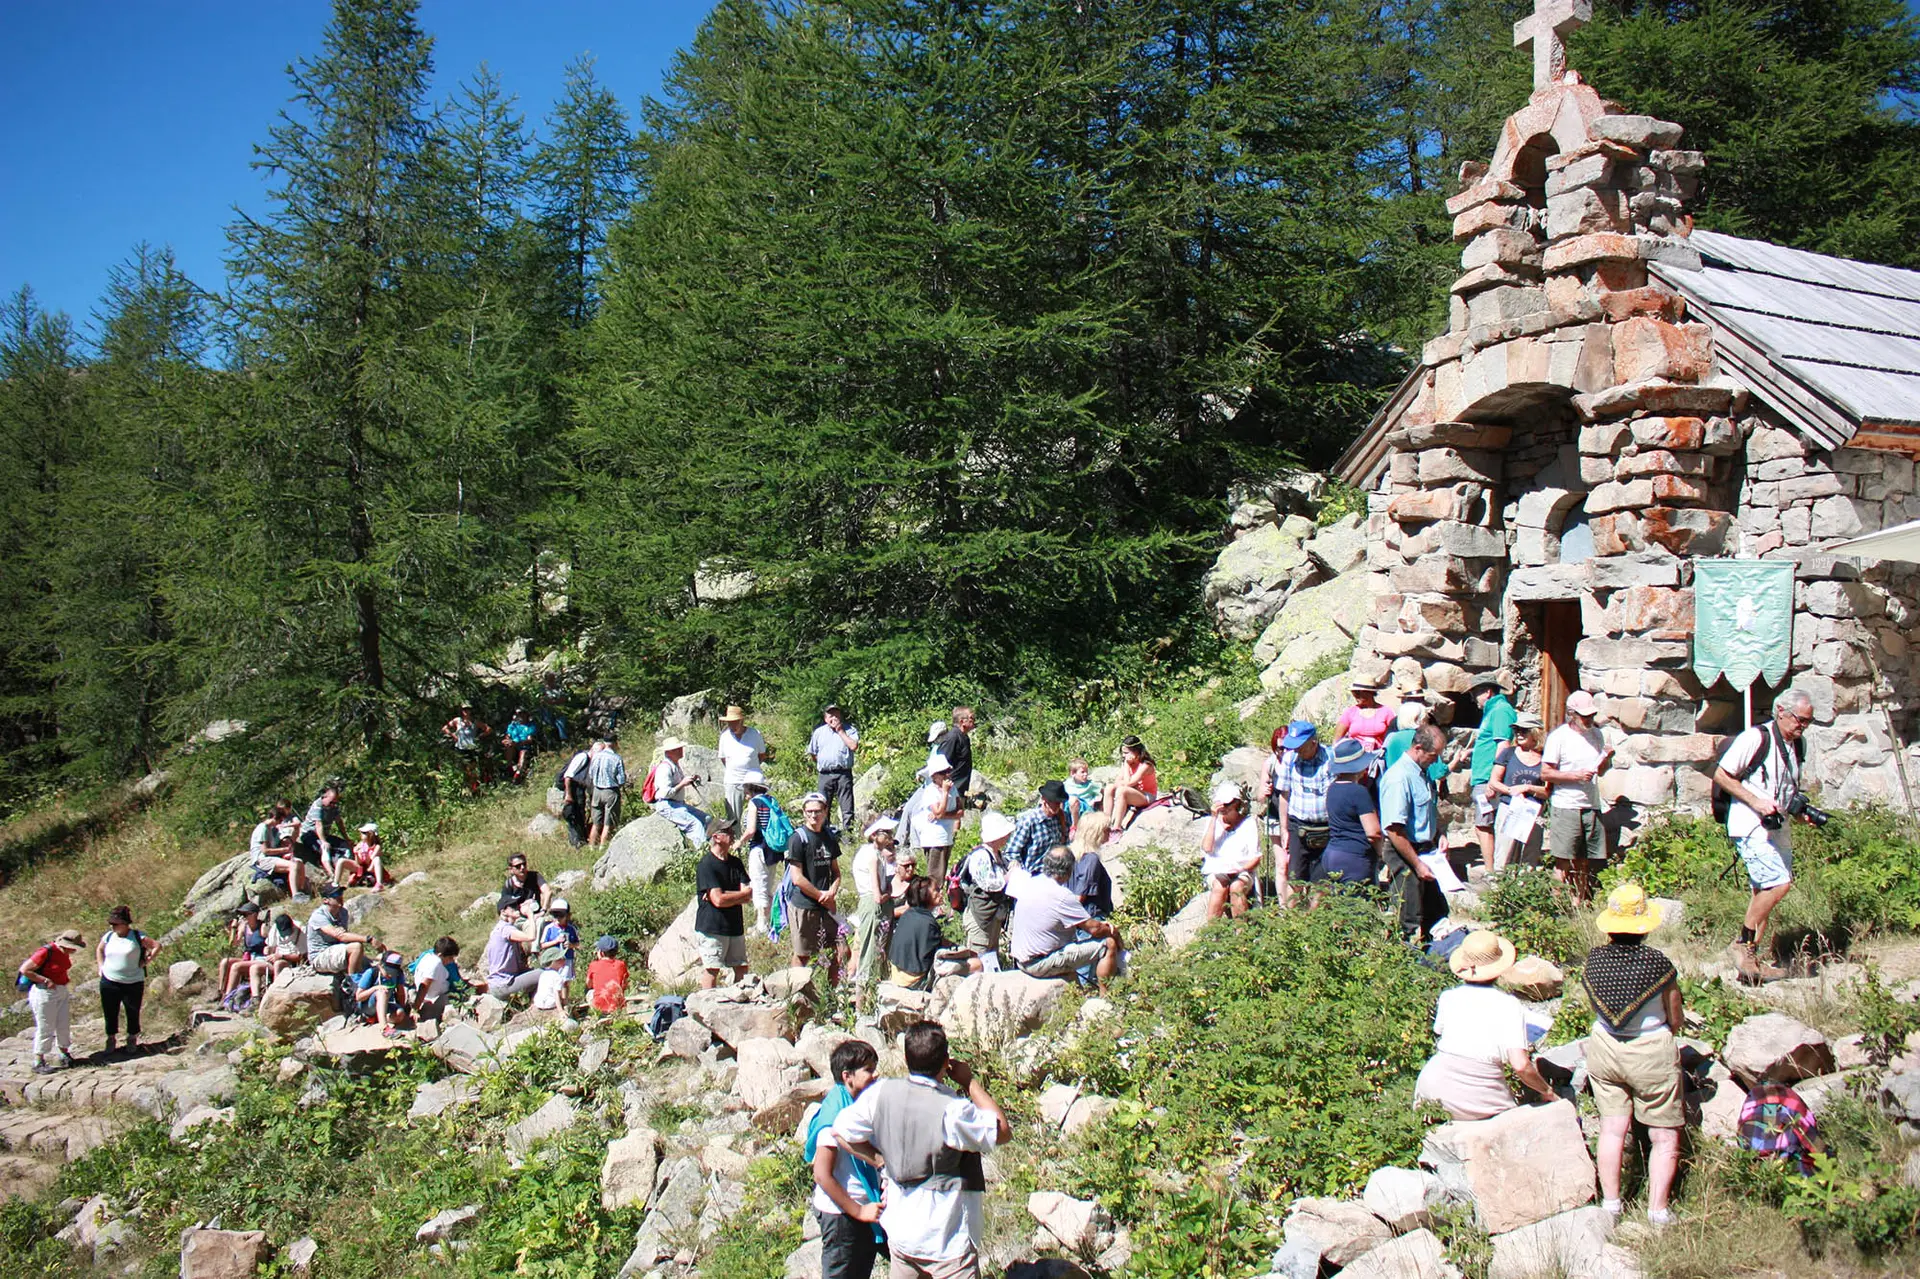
1527	906
1158	884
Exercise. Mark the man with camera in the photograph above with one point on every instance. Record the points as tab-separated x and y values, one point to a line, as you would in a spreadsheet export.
1757	783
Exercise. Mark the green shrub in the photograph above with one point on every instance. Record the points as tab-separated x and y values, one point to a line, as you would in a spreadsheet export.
1534	911
1158	884
636	913
1852	876
1273	1057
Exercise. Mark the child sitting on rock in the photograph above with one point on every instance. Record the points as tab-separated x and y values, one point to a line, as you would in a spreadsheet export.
551	990
607	978
380	992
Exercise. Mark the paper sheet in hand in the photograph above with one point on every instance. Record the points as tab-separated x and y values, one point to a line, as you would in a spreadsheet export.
1442	872
1522	815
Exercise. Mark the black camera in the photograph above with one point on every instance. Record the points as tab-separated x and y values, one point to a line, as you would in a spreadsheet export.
1799	807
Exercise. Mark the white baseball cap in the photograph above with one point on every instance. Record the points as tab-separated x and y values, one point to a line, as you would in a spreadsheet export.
559	903
369	828
879	824
1227	793
1580	702
994	826
934	730
753	777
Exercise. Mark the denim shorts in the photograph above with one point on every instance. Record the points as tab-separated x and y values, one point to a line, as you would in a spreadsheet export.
1768	855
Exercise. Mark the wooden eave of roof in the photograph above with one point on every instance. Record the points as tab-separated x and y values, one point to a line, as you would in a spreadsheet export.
1364	459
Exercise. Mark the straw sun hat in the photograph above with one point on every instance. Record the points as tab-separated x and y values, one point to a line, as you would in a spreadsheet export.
1629	911
1483	956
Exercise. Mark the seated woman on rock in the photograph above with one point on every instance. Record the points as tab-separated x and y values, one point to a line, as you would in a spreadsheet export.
1137	786
1480	1029
251	968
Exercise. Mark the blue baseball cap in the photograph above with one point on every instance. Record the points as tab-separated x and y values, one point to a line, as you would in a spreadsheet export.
1299	733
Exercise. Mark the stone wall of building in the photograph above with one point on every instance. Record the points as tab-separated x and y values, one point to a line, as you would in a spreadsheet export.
1854	624
1573	439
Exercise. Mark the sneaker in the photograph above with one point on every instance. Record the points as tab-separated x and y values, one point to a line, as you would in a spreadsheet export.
1745	962
66	1059
1611	1207
1659	1218
301	899
42	1068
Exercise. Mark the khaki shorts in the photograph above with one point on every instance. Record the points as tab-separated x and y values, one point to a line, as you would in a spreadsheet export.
1575	834
902	1267
1637	1078
722	952
331	961
606	806
814	931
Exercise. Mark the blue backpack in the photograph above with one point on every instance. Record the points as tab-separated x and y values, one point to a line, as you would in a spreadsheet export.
776	828
666	1010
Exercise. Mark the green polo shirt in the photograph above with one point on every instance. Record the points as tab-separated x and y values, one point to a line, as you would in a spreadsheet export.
1496	726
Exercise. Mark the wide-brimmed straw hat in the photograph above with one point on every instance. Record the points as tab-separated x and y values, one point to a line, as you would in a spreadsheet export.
1629	910
671	745
1483	956
70	940
734	715
1363	684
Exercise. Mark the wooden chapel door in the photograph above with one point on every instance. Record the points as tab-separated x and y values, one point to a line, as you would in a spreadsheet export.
1559	669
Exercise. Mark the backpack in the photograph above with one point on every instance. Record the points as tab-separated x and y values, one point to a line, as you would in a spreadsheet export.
648	791
1723	801
776	832
666	1010
24	983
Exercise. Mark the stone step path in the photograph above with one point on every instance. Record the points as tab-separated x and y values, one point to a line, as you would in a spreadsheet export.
94	1083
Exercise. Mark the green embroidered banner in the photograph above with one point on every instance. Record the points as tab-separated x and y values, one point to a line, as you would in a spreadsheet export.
1742	620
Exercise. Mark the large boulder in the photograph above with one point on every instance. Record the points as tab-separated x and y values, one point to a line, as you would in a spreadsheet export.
220	889
190	1088
1773	1046
1338	1231
545	826
782	1116
626	1174
1172	827
994	1009
185	977
675	956
554	1117
639	852
1242	766
464	1047
1516	1168
680	715
675	1215
1336	608
1255	574
736	1014
1569	1243
1324	700
1412	1256
1072	1223
1341	546
816	1045
1404	1198
221	1254
1185	926
768	1068
1301	655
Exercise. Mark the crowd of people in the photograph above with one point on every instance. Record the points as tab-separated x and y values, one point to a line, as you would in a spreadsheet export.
896	1162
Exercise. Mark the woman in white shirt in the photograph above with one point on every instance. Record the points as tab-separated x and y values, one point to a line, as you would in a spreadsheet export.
1480	1029
872	878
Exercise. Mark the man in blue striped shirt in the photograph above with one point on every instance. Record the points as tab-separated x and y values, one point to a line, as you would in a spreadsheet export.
1300	806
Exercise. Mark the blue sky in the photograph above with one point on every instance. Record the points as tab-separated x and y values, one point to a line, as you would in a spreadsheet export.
130	120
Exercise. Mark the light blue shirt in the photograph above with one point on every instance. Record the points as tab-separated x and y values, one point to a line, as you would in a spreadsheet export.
1406	799
607	770
830	753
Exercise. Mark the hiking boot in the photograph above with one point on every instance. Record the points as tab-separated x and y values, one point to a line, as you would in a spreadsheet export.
1745	963
1767	970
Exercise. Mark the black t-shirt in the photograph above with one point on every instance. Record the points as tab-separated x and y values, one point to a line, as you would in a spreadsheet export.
958	748
512	894
814	855
916	937
729	875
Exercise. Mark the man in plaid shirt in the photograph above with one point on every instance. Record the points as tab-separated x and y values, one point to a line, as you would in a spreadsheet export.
1300	806
1040	829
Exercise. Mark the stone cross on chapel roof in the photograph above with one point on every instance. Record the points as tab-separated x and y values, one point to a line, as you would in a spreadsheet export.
1545	30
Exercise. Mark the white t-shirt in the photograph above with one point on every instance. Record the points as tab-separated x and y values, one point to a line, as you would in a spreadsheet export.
547	993
842	1172
1481	1022
934	1220
666	775
431	974
1233	850
928	833
740	754
1572	750
1045	914
1777	776
257	842
866	873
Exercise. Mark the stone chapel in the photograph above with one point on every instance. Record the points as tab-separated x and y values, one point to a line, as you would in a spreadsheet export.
1618	396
